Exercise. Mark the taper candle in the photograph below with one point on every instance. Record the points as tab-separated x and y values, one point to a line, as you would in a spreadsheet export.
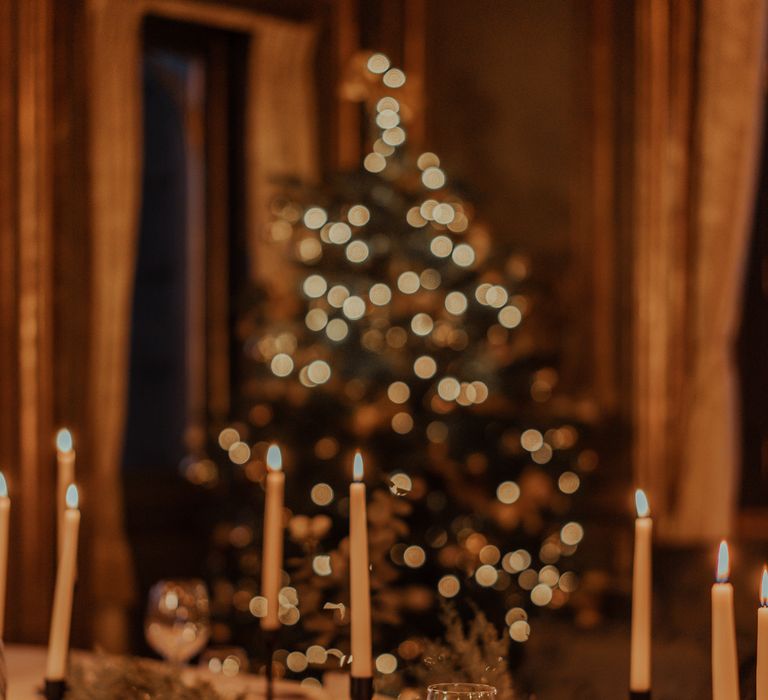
762	639
640	659
5	513
725	664
272	554
58	641
65	475
359	576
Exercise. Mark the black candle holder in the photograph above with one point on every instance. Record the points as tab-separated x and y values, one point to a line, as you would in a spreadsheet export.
54	690
361	688
639	695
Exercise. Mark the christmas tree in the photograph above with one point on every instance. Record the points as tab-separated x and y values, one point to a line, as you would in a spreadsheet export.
414	339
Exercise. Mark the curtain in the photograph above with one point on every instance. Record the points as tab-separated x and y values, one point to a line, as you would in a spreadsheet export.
698	126
282	139
115	168
729	133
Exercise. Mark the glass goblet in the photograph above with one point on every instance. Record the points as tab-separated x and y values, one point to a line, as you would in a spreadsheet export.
177	624
461	691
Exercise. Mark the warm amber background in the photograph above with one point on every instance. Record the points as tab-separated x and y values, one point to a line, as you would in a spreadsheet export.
581	129
505	97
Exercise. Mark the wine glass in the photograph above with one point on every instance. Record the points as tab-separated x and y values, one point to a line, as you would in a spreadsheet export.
177	625
461	691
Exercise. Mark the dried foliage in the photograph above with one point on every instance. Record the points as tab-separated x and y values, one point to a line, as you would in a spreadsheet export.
108	678
468	653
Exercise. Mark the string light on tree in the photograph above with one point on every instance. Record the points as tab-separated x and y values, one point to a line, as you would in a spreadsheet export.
409	337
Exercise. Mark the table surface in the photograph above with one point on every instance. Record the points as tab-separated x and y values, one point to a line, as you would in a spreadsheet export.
26	667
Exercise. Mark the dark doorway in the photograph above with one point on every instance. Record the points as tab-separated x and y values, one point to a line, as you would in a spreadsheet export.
188	267
753	356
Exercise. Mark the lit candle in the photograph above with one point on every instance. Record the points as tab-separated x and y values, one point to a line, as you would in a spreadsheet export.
640	661
5	513
725	665
359	576
58	642
65	475
762	639
272	555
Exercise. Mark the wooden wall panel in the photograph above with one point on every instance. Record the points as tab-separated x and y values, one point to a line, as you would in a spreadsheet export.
25	309
8	247
8	237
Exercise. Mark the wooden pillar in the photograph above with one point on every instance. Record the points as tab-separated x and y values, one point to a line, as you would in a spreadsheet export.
403	37
346	40
415	66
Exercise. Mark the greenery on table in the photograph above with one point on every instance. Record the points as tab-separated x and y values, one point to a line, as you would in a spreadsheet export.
135	679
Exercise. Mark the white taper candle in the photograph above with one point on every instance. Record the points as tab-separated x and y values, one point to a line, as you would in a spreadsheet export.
272	554
640	659
762	639
359	576
725	664
5	517
61	618
65	475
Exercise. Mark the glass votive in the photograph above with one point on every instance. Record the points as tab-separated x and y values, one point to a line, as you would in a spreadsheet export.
461	691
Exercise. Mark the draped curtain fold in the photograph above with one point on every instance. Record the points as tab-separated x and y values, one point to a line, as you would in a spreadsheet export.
729	132
281	142
115	171
699	126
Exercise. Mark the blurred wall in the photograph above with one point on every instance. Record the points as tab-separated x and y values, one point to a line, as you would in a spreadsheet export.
525	104
510	110
504	108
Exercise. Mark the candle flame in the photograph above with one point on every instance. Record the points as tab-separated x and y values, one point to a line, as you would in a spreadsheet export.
641	503
764	588
64	442
274	458
357	467
723	563
72	498
3	486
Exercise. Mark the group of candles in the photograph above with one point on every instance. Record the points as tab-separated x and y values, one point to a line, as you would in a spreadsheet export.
725	677
725	665
67	528
68	524
359	568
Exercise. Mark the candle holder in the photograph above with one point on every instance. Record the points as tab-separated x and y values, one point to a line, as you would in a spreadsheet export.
361	688
54	690
639	695
271	638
